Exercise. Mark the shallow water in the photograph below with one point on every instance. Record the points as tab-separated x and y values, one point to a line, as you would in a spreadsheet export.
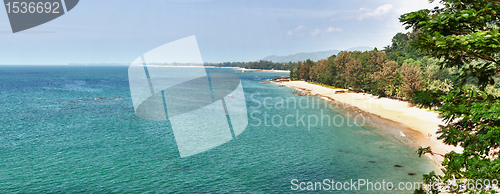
55	136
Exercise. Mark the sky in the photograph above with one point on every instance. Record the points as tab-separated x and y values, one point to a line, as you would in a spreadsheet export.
119	31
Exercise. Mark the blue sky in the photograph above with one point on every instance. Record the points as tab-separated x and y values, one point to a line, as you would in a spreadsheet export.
226	30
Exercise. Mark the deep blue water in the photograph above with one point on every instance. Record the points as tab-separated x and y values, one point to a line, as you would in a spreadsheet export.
56	137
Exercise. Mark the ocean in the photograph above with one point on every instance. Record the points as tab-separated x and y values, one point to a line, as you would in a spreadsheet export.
73	129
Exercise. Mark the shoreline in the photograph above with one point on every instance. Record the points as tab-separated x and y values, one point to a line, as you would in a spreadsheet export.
216	67
263	70
424	122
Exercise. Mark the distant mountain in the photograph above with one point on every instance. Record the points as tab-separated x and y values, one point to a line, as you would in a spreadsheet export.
315	56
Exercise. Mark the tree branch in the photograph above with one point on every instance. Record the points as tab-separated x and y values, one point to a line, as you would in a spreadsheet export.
495	2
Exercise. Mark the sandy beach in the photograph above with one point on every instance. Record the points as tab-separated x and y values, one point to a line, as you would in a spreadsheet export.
421	120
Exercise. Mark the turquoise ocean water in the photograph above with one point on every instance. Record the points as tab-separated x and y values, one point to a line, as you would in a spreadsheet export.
71	129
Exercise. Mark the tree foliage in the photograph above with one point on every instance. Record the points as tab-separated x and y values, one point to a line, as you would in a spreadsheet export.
368	71
401	49
411	79
464	34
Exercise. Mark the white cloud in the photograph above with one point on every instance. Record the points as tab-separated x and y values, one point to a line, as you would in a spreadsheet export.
365	13
297	29
316	32
414	5
300	27
379	11
332	29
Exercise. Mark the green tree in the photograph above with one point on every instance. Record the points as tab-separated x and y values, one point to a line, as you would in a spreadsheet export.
465	35
385	77
322	71
353	73
376	61
411	79
340	63
296	72
305	69
401	49
433	71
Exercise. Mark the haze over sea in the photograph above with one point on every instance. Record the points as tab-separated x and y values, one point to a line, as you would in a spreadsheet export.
73	129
